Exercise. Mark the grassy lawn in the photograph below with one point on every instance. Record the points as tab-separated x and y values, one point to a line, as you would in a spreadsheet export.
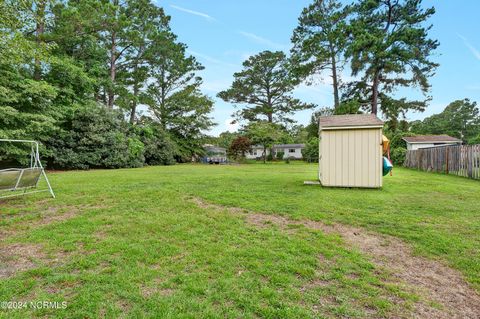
132	243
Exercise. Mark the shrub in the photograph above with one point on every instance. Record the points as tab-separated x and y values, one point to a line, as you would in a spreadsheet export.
280	155
94	137
397	155
159	149
310	152
270	157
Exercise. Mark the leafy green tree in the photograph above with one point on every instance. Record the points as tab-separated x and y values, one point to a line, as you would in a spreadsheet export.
312	127
319	42
389	43
265	134
225	139
311	151
298	134
25	104
61	60
264	87
459	119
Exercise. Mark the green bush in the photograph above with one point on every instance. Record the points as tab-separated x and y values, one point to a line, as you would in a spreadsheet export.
397	155
270	157
95	137
280	155
159	149
310	152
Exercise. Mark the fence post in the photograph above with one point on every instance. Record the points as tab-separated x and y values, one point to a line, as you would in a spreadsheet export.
446	159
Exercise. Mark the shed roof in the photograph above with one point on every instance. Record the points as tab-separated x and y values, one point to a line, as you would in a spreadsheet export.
431	139
350	120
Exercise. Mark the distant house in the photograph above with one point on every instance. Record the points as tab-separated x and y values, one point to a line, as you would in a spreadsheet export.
256	151
289	150
214	154
424	141
292	151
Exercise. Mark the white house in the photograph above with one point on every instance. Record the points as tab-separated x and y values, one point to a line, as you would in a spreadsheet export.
256	151
293	151
424	141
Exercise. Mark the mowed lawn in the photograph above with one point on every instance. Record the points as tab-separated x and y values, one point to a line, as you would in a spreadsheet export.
135	243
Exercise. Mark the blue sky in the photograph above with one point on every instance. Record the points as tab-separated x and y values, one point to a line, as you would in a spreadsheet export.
223	33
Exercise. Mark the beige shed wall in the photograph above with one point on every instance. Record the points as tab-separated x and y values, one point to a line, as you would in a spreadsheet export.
351	157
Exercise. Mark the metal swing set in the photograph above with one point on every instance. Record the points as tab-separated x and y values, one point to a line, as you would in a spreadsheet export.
23	181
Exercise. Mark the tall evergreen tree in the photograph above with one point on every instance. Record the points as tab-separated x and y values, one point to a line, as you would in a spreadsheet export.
174	96
264	87
319	42
149	23
390	47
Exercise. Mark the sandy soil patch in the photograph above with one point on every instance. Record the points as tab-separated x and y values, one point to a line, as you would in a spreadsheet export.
431	279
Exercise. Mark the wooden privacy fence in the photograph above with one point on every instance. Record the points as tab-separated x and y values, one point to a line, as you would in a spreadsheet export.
461	160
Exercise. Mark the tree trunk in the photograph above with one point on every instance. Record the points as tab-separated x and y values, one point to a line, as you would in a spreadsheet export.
336	97
376	82
134	103
40	29
264	155
113	71
270	117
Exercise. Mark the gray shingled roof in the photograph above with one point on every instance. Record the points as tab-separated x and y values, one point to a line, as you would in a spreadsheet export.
350	120
289	145
431	139
281	146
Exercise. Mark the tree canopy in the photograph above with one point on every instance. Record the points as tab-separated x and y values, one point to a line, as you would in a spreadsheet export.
459	119
264	88
389	47
319	42
62	61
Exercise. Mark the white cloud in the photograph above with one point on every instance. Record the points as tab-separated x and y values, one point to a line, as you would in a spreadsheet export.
475	51
196	13
261	40
231	127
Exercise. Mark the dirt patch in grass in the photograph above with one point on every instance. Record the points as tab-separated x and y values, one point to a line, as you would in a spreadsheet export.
20	257
435	282
155	288
46	217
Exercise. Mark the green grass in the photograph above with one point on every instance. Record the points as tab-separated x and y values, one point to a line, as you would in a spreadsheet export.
135	246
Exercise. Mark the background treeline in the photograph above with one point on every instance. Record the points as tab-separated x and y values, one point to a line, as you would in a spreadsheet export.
106	83
74	75
366	50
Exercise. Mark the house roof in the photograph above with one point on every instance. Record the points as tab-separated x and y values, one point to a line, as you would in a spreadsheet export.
282	146
214	148
431	139
289	146
350	120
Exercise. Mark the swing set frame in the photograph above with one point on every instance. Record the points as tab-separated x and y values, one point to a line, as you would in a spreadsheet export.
23	181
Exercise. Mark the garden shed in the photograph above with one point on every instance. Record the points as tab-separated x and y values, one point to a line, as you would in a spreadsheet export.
350	150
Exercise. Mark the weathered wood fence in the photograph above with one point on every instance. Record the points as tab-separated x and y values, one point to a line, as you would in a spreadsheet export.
461	160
